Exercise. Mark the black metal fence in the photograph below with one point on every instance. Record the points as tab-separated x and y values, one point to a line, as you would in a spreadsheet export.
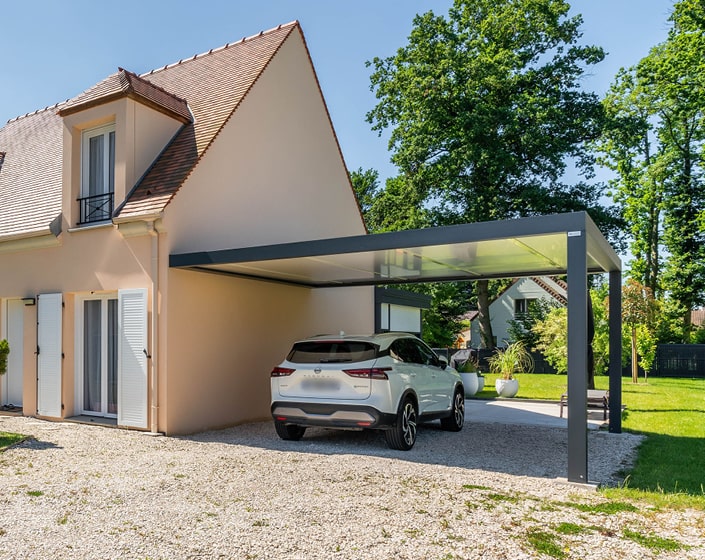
679	360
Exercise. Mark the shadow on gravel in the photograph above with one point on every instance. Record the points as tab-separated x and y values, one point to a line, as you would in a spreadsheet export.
36	444
518	450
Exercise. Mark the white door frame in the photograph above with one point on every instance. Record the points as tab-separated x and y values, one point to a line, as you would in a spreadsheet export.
15	366
79	339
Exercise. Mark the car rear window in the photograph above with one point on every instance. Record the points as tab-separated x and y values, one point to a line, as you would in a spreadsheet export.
332	351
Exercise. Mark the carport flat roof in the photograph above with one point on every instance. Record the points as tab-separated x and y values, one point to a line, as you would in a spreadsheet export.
507	248
560	244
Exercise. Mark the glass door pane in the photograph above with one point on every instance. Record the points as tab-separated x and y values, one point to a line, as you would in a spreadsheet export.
96	166
112	356
92	374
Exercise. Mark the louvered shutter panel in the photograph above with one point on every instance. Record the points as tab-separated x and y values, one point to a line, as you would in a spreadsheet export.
49	358
132	358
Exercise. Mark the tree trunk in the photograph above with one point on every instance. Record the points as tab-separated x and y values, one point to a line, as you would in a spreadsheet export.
635	365
483	307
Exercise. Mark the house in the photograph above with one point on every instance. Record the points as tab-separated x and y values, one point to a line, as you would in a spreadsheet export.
515	300
230	148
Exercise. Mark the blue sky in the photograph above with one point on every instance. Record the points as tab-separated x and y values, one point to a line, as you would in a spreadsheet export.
53	50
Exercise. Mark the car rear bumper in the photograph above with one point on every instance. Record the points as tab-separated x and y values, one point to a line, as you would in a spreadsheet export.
332	415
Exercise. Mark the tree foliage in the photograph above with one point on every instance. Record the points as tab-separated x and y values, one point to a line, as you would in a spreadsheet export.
485	109
552	338
655	143
551	334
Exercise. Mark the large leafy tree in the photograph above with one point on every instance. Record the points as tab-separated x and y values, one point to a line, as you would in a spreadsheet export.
655	144
629	147
485	110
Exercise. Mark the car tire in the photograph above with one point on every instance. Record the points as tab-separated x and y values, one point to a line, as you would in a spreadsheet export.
454	422
290	432
402	435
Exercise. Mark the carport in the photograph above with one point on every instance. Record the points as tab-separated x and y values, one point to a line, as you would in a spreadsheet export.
560	244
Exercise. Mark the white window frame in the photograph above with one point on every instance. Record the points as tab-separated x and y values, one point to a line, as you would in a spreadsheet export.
105	131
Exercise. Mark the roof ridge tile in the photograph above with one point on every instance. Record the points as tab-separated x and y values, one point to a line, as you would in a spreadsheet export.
32	113
218	49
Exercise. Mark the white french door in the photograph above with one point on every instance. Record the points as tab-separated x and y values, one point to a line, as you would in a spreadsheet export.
12	390
99	355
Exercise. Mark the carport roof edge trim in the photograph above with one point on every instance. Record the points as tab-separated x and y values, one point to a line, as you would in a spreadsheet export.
598	246
575	223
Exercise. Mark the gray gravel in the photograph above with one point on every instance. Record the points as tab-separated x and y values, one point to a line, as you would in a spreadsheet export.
82	491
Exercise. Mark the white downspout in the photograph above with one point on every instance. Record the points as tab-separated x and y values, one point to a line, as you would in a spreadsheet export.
154	369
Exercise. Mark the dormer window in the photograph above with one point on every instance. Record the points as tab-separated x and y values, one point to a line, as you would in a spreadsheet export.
97	174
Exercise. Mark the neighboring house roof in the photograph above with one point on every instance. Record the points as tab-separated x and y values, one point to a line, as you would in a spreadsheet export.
202	91
544	283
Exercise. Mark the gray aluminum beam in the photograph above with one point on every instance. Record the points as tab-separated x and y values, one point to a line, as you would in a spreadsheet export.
615	372
577	357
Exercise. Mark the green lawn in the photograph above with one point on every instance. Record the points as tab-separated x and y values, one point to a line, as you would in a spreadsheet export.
670	469
7	439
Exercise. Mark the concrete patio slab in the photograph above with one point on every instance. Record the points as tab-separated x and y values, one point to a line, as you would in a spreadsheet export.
524	412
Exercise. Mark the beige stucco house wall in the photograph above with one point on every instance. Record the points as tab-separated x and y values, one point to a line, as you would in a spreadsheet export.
253	160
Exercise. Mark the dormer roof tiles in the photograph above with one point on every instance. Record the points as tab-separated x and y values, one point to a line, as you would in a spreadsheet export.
128	84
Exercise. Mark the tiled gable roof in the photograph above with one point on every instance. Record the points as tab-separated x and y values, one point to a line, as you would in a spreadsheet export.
202	91
214	84
128	84
30	178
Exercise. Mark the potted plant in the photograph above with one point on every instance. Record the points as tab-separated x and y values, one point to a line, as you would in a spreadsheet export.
468	371
515	358
4	351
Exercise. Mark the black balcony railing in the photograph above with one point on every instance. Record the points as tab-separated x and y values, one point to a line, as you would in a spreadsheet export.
96	208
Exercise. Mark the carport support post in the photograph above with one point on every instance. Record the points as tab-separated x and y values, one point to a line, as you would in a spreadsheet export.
577	357
615	319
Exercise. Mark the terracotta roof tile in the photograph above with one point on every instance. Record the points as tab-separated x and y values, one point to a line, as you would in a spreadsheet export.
30	178
214	84
128	84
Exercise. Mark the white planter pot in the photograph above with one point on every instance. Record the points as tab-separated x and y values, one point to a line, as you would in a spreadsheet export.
470	383
480	383
507	387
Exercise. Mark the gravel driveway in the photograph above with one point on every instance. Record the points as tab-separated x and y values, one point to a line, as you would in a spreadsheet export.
82	491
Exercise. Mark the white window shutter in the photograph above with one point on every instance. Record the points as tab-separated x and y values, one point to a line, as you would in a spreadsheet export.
132	358
49	358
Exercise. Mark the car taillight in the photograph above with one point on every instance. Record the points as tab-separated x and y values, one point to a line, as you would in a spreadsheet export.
281	371
370	373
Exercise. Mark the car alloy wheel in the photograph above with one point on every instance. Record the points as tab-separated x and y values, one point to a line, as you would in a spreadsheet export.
402	435
454	422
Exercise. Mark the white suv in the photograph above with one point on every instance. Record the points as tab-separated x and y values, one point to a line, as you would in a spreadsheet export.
386	381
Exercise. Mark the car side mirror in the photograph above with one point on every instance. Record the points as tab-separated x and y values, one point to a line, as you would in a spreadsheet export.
443	362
